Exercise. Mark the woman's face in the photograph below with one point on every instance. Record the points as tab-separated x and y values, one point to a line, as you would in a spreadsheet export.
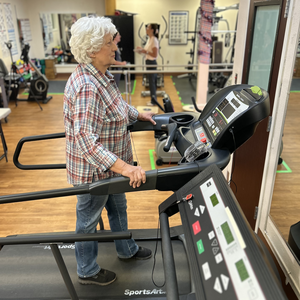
106	56
117	38
149	30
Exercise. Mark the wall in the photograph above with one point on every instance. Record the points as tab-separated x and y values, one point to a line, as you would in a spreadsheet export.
152	11
147	11
20	11
31	9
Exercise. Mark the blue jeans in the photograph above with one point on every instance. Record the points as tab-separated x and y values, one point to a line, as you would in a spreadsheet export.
152	78
88	211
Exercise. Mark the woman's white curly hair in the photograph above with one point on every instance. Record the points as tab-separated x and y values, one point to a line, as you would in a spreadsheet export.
87	35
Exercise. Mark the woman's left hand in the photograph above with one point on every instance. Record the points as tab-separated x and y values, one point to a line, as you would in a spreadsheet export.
146	117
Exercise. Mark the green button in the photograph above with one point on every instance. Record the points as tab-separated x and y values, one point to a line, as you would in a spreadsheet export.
256	90
200	246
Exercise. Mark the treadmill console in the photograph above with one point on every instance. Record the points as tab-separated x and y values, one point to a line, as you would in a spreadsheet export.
233	105
225	259
228	119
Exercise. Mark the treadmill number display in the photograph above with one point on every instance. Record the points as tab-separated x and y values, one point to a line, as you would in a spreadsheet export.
231	246
241	268
227	233
214	200
231	107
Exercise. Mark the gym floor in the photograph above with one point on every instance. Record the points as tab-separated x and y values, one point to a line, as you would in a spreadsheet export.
54	215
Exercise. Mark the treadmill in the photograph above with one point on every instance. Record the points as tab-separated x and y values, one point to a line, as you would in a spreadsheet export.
29	271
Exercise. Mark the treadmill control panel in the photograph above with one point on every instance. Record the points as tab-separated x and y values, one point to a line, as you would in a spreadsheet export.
233	105
225	269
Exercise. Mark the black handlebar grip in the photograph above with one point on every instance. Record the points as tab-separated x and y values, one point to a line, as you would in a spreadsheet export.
172	128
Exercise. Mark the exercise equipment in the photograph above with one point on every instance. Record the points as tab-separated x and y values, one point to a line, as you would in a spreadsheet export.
11	79
172	156
38	85
294	239
227	121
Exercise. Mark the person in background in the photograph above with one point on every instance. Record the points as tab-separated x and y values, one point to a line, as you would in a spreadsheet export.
151	51
118	59
98	145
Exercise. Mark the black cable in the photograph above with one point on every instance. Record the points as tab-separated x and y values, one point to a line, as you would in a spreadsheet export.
154	259
233	163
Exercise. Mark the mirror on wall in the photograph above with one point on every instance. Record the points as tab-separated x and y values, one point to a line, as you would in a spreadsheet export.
56	34
285	206
279	200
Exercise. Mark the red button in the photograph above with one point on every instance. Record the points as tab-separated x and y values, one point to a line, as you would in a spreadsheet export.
203	140
189	197
196	227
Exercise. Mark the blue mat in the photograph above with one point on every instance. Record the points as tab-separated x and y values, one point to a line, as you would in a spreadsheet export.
185	87
56	87
295	86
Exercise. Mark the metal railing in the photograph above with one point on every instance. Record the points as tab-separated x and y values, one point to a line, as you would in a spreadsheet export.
129	69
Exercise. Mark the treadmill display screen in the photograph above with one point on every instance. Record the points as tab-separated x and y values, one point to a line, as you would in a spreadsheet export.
214	199
241	268
230	107
226	270
227	233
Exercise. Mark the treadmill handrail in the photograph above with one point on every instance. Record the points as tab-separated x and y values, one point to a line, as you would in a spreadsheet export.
120	184
32	139
64	238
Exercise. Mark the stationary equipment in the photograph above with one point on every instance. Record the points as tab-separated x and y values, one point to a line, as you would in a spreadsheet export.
39	84
294	240
11	78
217	255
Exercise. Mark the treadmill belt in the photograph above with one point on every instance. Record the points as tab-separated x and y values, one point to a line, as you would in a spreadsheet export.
30	272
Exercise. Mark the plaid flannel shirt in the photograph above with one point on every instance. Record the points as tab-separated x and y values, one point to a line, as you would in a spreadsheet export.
96	119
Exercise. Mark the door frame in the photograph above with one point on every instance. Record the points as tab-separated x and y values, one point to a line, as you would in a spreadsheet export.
265	224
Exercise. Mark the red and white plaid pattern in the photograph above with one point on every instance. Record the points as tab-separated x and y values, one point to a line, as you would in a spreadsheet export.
96	119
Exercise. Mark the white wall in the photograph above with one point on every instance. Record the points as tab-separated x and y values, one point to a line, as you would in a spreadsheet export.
152	11
57	6
31	9
147	11
20	11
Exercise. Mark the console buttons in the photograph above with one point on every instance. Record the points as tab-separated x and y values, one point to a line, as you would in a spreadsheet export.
196	227
202	208
225	281
211	235
197	212
217	286
200	247
218	258
206	271
215	243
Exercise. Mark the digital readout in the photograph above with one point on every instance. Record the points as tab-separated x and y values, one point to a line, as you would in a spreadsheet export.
227	233
214	200
241	268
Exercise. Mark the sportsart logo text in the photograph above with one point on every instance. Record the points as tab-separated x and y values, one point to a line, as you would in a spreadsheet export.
144	292
71	246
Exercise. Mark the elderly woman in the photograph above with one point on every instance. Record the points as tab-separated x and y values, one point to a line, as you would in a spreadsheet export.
98	144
